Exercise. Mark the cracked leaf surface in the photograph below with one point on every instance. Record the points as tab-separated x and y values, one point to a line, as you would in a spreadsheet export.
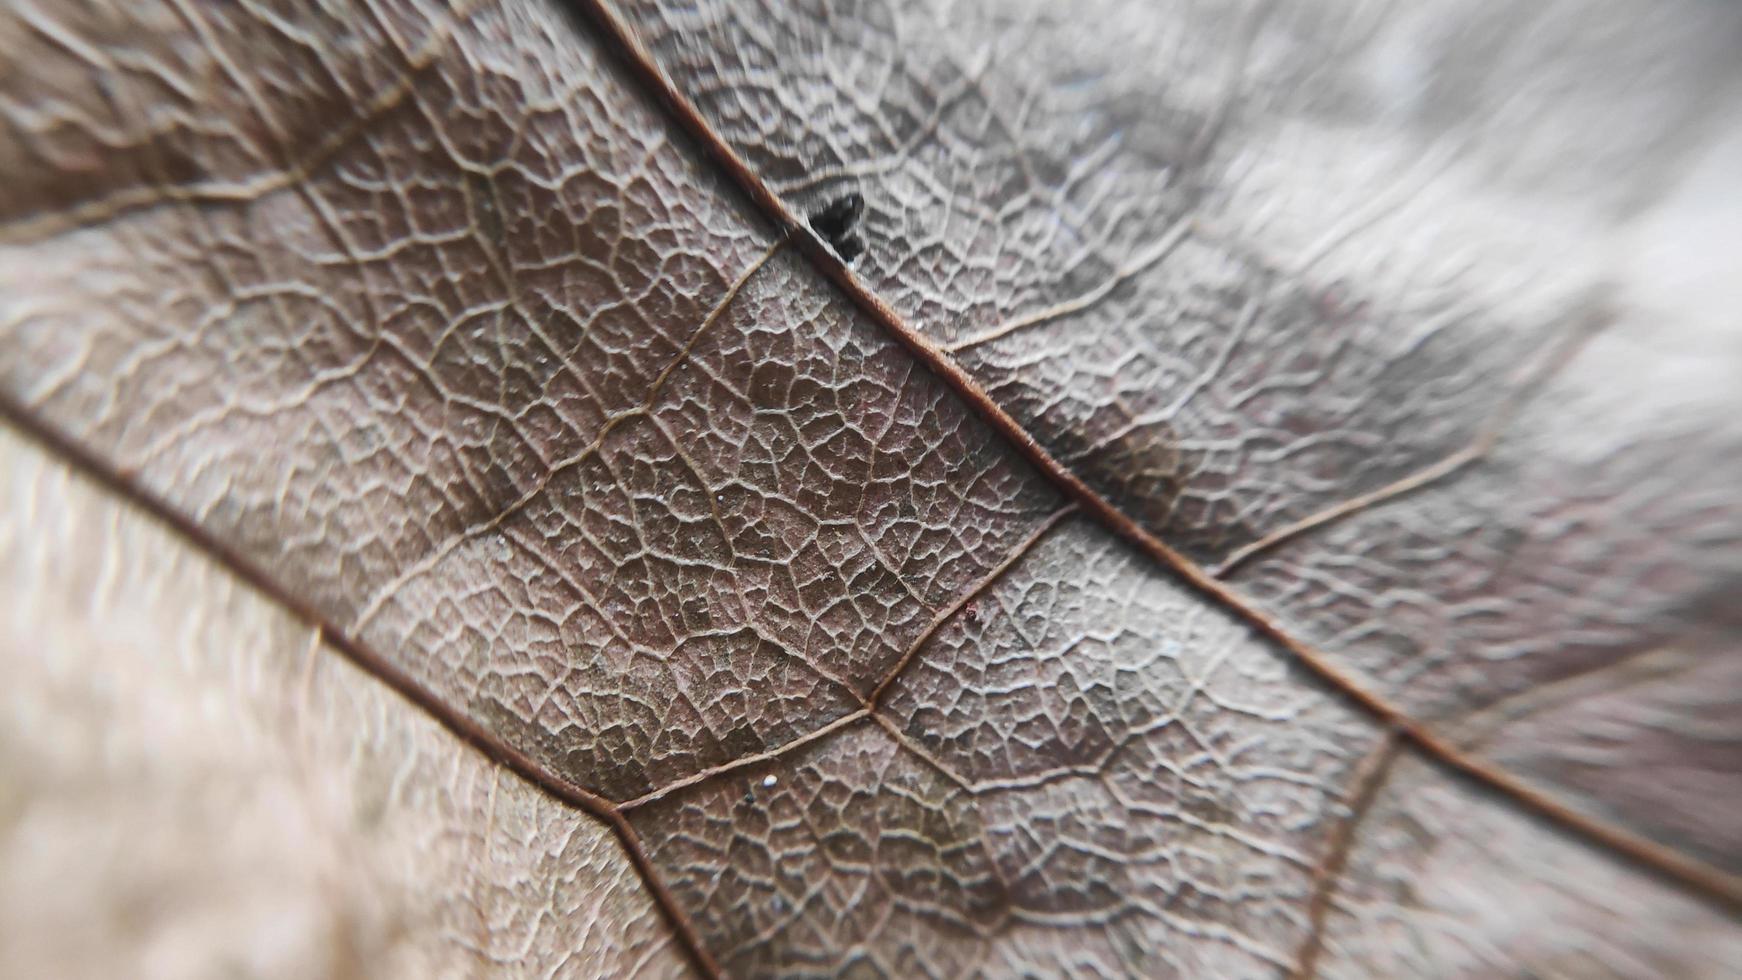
1407	322
776	653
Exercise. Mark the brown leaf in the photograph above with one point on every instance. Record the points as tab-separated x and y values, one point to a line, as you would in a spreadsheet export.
1248	492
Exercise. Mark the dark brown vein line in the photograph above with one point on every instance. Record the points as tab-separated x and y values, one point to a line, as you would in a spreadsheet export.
370	661
1132	267
981	787
919	752
744	761
1535	378
1648	854
871	701
967	595
1369	777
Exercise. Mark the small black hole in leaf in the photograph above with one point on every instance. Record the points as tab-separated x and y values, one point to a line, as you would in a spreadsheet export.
838	218
848	247
835	224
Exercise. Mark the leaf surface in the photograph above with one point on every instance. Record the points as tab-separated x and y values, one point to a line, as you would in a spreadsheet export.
1261	503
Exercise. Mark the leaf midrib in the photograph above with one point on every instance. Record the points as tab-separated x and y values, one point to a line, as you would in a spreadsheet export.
632	55
1688	872
462	726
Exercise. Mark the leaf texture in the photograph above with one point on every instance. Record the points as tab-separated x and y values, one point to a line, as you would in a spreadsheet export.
1261	503
198	786
1258	271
